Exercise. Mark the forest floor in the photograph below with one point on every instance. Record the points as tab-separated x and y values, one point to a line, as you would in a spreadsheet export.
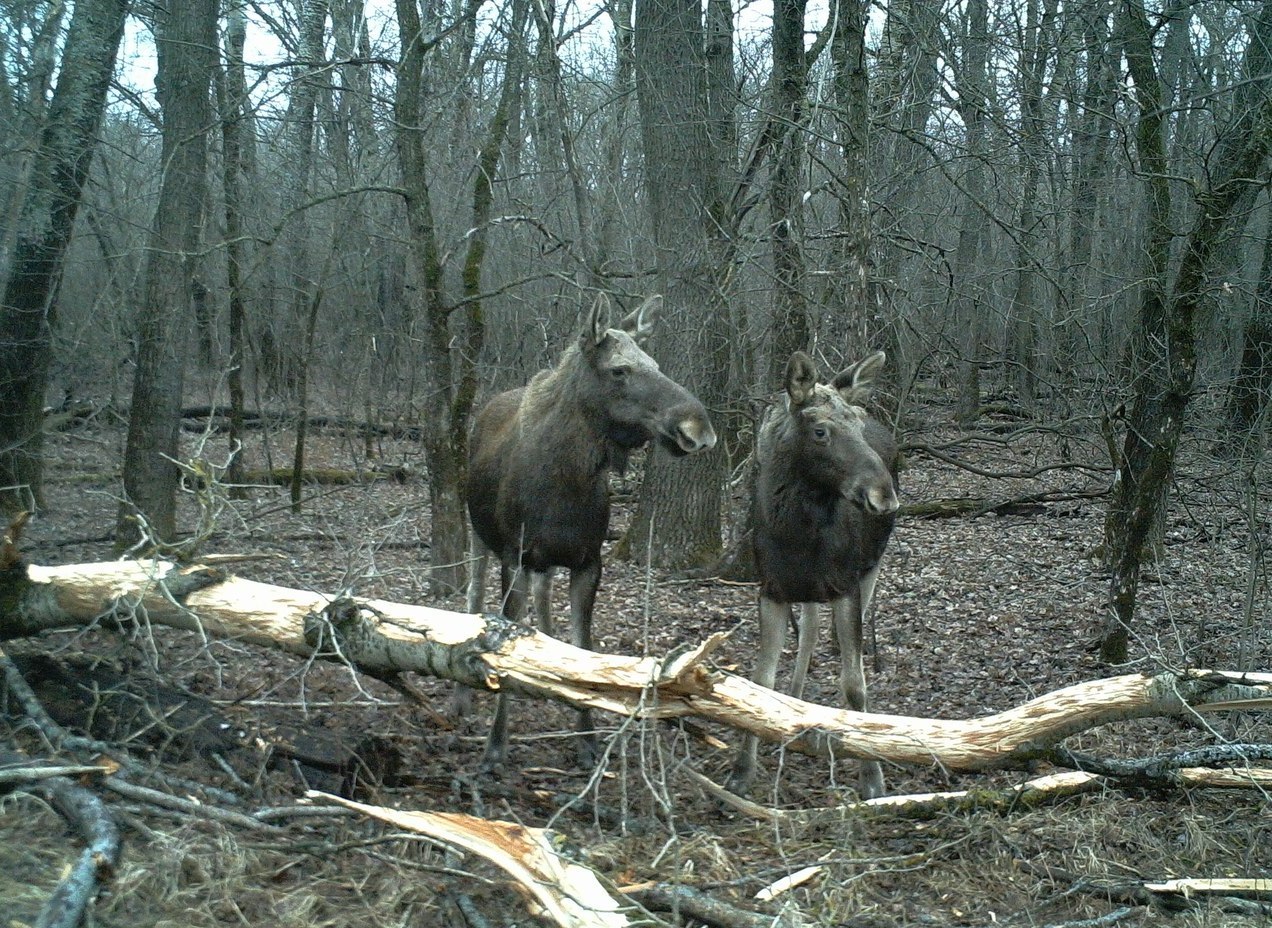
974	614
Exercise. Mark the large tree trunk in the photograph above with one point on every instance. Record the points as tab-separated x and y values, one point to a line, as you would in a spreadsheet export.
41	236
1165	365
677	523
186	43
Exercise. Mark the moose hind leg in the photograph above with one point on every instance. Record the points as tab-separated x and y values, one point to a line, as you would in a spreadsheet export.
584	582
774	618
847	612
513	582
478	556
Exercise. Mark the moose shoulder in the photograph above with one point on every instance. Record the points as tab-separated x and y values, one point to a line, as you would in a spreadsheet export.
539	459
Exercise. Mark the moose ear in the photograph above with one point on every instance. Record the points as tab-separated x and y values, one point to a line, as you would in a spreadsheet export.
598	321
856	384
801	378
639	323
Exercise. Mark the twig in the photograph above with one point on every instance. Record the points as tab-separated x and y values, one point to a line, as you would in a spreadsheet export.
88	815
687	901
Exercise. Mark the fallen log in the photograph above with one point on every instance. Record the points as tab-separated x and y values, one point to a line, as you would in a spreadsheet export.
489	652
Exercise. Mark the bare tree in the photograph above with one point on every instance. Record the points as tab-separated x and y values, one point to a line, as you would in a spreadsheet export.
968	308
1166	361
45	222
185	38
453	331
1252	387
678	520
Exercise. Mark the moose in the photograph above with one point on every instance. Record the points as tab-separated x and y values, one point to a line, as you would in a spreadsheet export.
538	474
825	503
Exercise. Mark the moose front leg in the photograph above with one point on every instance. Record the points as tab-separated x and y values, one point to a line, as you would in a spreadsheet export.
584	582
848	612
774	618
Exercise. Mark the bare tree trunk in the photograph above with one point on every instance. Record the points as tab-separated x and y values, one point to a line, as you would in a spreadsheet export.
186	42
1092	145
967	309
46	220
233	103
1250	391
306	292
1027	309
791	328
677	523
857	299
1165	367
449	352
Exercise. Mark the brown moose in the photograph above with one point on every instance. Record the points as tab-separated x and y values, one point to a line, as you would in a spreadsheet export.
825	504
539	461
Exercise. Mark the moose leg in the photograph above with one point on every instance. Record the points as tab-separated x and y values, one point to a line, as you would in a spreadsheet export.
541	595
478	557
513	581
774	617
584	582
809	632
848	612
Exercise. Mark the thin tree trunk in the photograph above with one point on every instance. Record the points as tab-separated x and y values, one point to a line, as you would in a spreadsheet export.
449	355
233	103
791	329
1250	391
857	300
967	309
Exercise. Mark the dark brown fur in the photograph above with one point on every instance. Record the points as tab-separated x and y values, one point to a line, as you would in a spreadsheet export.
825	504
539	460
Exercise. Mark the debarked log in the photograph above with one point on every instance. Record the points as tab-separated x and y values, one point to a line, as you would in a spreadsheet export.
489	652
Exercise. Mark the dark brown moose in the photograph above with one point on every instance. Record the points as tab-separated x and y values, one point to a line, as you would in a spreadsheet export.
539	460
825	503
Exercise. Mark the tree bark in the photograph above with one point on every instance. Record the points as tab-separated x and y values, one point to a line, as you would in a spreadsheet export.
678	520
968	308
186	43
42	234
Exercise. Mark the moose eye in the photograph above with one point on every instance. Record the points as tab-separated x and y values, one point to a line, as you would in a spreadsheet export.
820	432
618	373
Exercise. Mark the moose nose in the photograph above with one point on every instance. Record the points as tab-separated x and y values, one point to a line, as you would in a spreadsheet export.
694	434
877	497
881	499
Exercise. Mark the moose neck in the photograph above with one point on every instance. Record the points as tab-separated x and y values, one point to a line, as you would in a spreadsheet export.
573	429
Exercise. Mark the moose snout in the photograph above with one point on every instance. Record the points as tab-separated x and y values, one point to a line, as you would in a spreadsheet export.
877	497
693	433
